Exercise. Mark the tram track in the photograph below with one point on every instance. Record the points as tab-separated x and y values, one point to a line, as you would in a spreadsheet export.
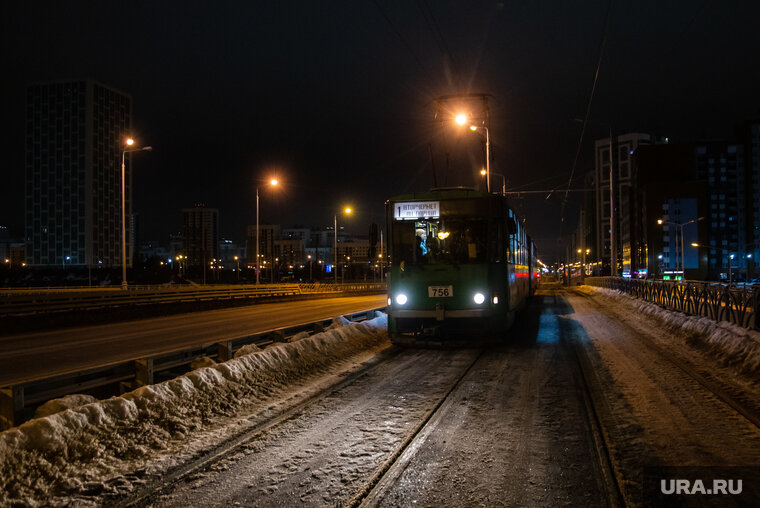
587	390
393	466
286	458
145	496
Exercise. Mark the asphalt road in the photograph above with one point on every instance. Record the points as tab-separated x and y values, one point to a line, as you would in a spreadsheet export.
32	356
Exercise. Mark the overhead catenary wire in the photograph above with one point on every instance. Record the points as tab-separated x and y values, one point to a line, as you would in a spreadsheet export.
435	28
406	45
602	46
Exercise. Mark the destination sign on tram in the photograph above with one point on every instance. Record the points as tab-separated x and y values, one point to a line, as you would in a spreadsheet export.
417	210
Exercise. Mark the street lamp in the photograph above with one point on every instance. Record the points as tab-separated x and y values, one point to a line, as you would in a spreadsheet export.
308	256
346	211
461	119
730	258
237	260
128	142
683	259
503	181
272	182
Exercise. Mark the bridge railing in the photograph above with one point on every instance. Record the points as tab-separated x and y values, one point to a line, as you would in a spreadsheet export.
735	304
18	302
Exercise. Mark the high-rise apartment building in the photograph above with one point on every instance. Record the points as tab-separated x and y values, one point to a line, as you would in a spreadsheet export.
75	132
753	223
721	165
617	151
200	235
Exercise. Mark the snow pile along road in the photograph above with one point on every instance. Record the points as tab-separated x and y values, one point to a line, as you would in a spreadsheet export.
105	447
734	346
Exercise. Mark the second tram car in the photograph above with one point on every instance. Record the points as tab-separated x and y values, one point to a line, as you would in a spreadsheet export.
460	262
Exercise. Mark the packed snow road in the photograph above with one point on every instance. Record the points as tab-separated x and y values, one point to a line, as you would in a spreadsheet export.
678	391
504	425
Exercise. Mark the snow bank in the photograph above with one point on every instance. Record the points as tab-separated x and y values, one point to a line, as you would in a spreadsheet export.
201	362
75	452
732	345
66	402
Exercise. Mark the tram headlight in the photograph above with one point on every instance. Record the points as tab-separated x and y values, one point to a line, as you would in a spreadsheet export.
401	299
389	301
479	298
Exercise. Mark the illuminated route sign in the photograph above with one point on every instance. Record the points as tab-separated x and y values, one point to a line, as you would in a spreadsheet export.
417	210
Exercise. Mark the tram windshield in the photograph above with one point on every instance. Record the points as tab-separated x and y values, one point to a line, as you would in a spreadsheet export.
450	241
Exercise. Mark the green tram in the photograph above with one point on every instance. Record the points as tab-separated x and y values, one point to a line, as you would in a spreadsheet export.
461	262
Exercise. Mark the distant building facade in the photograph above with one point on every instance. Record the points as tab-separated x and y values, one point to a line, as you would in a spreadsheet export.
752	158
721	165
617	151
200	235
75	132
664	189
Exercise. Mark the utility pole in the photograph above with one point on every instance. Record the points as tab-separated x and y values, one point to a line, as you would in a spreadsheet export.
613	243
583	246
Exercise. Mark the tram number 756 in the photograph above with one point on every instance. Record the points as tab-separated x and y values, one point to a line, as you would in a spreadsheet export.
440	291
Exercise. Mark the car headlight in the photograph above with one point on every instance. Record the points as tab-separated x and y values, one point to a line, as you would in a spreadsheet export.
479	298
401	299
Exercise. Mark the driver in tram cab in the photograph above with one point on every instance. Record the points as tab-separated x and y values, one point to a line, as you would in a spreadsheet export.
422	248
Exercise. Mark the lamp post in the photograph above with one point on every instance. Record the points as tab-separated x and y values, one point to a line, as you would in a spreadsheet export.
347	211
237	260
474	128
730	258
503	181
308	256
583	254
273	182
683	259
129	142
461	119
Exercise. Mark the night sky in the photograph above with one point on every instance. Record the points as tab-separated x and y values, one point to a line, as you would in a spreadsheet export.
336	97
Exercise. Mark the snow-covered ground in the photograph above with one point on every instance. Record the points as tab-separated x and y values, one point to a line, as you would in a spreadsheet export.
655	414
731	345
514	433
110	446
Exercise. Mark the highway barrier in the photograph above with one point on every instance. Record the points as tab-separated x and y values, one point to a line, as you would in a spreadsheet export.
735	304
32	301
18	401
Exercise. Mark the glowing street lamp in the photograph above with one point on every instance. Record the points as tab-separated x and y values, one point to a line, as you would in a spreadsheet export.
346	211
461	119
272	182
730	258
128	142
683	260
483	172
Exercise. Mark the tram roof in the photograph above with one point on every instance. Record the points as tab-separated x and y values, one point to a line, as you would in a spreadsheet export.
444	193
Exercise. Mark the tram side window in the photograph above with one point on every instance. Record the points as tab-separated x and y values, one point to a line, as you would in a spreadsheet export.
497	242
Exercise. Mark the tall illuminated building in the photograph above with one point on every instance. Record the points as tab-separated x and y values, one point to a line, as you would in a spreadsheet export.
74	137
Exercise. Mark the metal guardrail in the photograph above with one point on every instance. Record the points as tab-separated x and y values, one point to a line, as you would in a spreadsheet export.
17	402
20	302
719	302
